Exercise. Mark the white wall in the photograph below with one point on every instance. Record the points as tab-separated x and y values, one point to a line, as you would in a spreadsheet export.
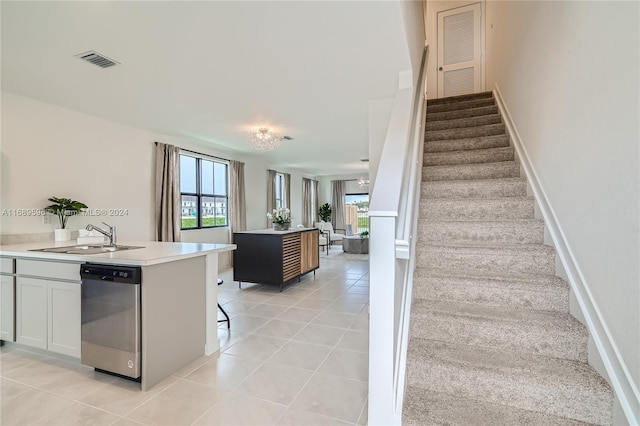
431	18
413	20
52	151
568	73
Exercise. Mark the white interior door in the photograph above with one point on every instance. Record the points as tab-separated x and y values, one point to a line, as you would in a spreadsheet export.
459	51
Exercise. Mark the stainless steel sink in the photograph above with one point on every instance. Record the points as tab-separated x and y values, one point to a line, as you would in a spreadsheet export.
87	249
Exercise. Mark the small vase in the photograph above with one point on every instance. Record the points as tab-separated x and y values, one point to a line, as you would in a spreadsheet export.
281	226
62	234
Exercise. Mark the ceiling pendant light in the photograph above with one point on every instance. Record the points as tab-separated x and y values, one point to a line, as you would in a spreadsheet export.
264	139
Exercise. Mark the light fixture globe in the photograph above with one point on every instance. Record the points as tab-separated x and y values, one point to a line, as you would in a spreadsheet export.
264	139
363	182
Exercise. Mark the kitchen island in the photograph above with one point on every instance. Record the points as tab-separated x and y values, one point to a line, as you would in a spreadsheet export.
271	257
40	300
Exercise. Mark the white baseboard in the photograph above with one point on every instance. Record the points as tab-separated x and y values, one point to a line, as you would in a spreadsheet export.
624	387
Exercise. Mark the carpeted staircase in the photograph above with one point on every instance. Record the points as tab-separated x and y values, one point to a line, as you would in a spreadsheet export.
492	341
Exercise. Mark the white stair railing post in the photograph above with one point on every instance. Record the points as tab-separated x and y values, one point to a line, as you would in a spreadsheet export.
381	319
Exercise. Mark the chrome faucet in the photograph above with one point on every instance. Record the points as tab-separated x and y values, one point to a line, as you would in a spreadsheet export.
111	234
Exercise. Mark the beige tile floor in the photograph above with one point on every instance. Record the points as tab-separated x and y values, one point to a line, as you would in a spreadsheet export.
293	358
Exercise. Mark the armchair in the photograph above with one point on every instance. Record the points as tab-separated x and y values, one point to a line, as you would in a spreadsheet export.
327	228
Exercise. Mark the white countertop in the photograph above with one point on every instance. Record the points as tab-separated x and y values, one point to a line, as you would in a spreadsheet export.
153	253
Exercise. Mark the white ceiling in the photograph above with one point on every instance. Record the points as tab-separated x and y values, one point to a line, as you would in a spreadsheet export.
212	69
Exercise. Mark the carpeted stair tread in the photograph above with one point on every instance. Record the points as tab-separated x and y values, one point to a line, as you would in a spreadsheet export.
478	208
520	258
460	98
429	408
472	156
465	132
462	113
485	188
512	231
481	120
514	291
549	333
512	279
455	106
481	142
496	170
554	386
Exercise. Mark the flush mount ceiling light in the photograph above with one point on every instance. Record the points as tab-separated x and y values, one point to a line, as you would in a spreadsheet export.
265	139
363	182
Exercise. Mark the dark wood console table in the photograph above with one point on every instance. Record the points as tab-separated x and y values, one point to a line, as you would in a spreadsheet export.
275	257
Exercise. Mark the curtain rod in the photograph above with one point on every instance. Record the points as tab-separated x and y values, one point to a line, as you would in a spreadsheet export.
200	153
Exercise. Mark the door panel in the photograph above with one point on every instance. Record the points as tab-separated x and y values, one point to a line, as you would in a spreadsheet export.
459	51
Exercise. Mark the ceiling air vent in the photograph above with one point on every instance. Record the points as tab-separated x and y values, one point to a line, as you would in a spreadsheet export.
97	59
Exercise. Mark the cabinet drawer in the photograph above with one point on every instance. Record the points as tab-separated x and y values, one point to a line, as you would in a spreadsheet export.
7	265
49	270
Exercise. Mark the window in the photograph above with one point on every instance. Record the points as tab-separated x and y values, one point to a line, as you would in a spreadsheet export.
204	195
279	190
357	212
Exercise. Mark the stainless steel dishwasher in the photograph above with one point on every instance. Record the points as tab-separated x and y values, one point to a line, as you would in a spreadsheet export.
111	318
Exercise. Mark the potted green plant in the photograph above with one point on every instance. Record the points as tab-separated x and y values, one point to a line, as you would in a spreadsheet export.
64	208
324	212
364	234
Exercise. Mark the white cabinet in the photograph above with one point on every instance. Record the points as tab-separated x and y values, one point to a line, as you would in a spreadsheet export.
31	312
63	318
7	307
48	310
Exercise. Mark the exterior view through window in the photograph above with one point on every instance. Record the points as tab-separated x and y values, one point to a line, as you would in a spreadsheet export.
357	212
204	192
279	190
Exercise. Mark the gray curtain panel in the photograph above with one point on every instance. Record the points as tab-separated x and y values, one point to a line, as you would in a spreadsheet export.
237	202
287	190
308	211
271	193
337	204
168	213
316	204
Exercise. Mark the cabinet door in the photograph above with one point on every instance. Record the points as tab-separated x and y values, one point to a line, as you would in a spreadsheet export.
64	318
31	312
309	251
290	257
7	308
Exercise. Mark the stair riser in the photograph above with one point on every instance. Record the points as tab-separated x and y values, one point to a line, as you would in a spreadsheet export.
460	98
482	120
466	132
469	157
477	209
471	172
455	106
474	232
486	293
447	409
484	142
506	262
566	343
521	392
497	188
463	113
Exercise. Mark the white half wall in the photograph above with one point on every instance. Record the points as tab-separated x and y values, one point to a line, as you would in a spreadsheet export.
568	74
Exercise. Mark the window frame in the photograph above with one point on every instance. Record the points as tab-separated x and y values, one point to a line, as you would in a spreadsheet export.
199	195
